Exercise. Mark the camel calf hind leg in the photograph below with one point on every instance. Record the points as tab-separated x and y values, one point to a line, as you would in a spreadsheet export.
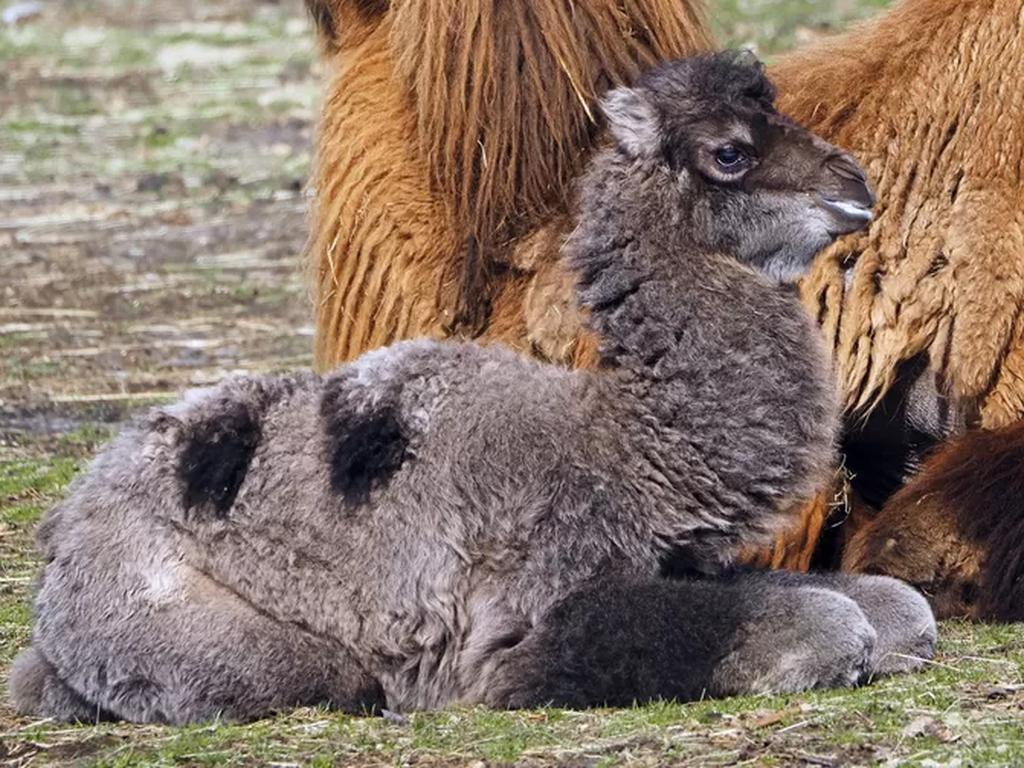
205	656
614	643
36	688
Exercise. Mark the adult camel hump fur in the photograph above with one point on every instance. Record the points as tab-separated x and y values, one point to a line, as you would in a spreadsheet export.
450	130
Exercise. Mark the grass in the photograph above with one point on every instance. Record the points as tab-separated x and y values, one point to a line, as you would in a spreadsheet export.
965	707
27	485
27	488
773	26
101	102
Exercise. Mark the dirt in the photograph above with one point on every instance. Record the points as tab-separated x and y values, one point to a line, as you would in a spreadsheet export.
153	162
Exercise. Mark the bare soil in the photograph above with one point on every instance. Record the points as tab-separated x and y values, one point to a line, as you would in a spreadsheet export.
153	159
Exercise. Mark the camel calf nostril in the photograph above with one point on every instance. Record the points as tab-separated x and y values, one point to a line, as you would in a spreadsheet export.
845	166
848	181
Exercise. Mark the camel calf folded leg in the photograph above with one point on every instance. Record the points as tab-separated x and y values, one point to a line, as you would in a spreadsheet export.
620	641
900	615
204	654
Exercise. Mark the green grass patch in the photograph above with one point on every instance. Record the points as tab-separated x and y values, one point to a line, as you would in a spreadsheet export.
891	722
38	128
15	621
773	26
27	489
21	514
88	438
34	479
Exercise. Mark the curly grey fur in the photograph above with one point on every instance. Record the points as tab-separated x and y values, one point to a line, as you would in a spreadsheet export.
441	522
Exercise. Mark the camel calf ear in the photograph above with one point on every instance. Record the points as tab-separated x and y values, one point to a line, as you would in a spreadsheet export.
632	121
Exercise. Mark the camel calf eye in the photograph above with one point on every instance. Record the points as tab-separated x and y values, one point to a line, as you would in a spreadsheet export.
729	158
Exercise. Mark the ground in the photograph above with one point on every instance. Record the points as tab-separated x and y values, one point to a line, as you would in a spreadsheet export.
153	158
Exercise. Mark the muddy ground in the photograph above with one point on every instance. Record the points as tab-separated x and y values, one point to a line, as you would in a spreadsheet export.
153	160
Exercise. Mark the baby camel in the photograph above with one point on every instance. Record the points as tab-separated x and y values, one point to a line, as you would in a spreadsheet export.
442	522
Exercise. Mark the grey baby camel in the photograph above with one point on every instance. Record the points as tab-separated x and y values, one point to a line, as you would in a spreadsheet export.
441	523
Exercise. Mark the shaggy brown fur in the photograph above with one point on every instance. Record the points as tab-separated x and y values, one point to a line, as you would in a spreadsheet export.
928	95
794	548
451	128
819	533
957	530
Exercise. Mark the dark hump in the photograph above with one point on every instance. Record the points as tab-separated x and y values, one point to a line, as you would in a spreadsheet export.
216	457
365	446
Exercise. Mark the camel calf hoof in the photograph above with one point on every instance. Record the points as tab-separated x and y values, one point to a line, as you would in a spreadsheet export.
810	638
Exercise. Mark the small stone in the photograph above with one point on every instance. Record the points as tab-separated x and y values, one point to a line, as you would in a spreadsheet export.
161	183
996	692
395	718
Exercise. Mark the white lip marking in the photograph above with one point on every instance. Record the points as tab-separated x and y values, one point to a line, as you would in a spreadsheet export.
848	209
